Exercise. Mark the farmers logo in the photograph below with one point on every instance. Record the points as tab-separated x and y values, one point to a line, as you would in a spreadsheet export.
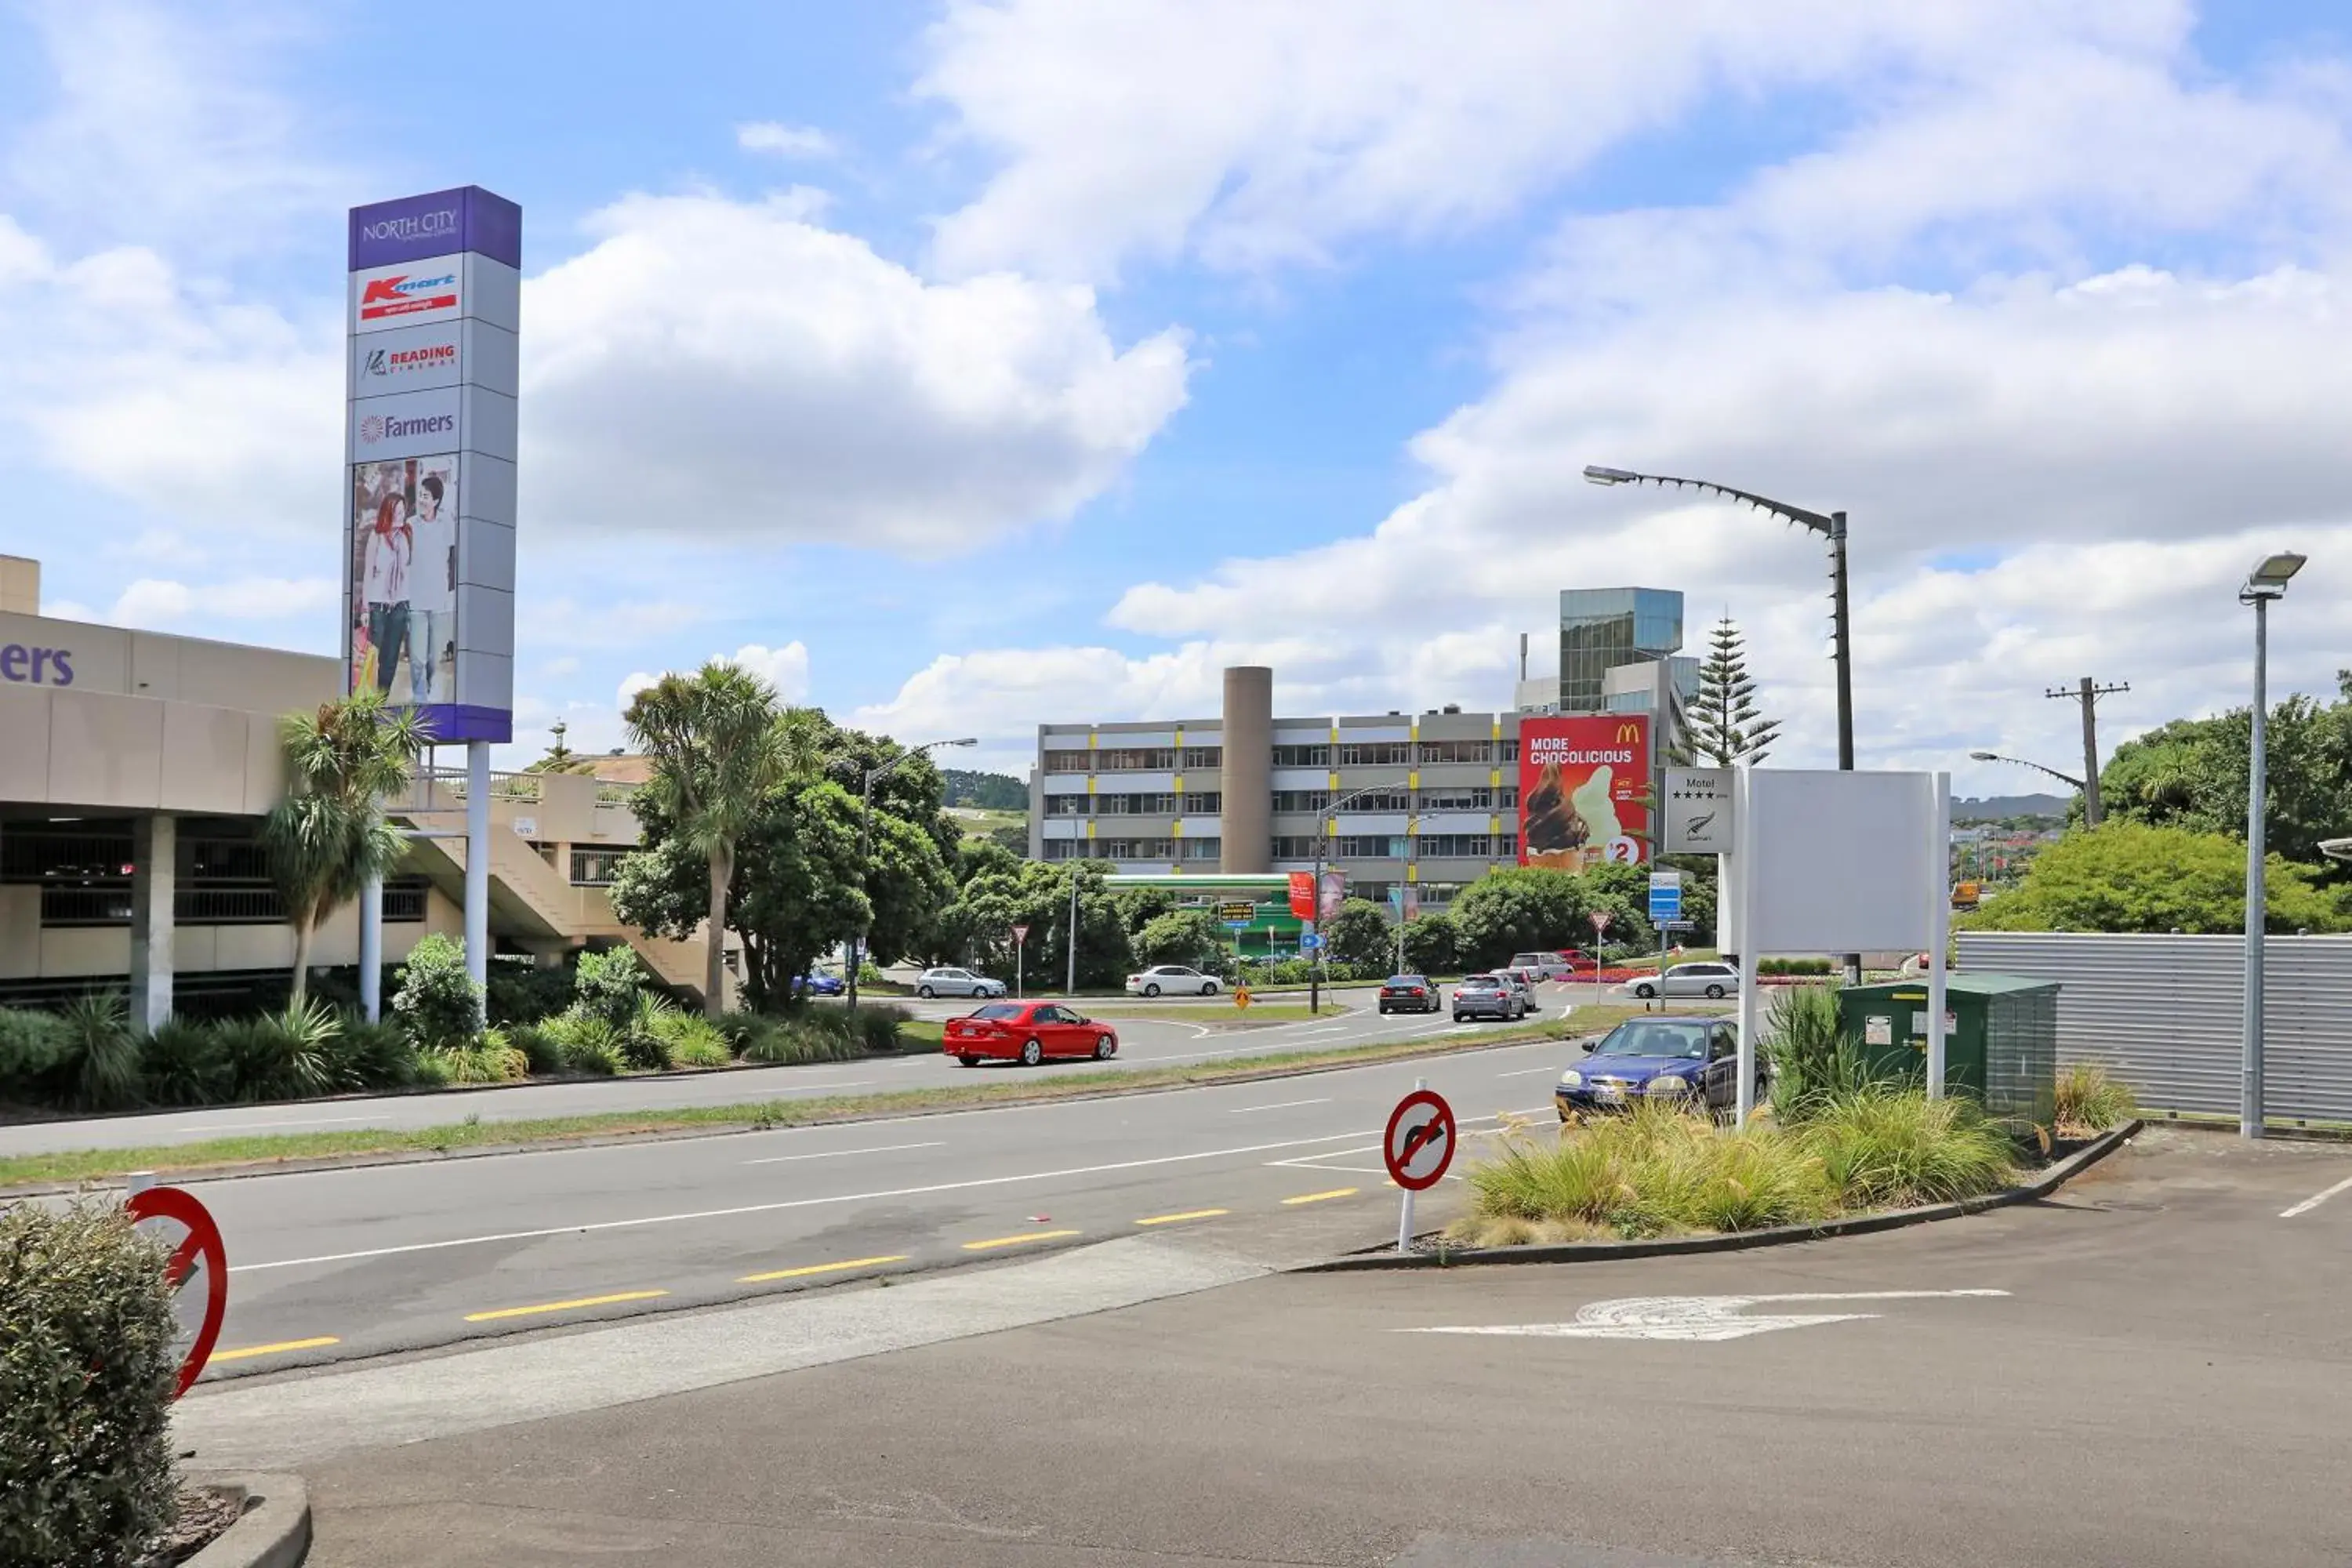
385	364
405	296
377	428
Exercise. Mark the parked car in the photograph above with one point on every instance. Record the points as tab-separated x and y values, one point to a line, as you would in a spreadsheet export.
1572	959
817	983
1487	996
956	983
1409	993
1518	981
1172	978
1712	979
1540	967
1027	1033
1664	1056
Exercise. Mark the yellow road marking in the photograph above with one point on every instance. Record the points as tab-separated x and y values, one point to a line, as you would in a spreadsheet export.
1188	1214
804	1272
1319	1197
280	1348
565	1306
1016	1240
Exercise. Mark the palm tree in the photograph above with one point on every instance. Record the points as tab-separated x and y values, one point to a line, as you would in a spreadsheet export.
718	744
329	836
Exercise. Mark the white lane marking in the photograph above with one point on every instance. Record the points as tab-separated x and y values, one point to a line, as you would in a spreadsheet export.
1279	1105
837	1153
283	1121
2315	1199
775	1207
1526	1073
1708	1317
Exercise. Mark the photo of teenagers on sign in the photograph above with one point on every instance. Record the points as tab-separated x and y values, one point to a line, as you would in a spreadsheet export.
404	608
1581	786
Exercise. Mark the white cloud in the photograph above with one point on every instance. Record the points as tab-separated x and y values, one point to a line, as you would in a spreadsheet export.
157	601
786	668
716	369
1261	132
786	141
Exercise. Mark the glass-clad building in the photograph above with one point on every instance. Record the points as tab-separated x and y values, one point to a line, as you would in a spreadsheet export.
1601	630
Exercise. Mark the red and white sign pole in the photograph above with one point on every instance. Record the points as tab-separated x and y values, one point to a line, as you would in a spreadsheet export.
1417	1147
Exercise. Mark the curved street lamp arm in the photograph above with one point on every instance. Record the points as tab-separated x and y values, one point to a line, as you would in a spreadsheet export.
1819	522
2021	762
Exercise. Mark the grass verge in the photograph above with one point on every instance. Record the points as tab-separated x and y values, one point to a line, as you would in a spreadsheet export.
216	1155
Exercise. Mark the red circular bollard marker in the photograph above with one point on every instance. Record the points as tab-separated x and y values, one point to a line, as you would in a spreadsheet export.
202	1245
1419	1144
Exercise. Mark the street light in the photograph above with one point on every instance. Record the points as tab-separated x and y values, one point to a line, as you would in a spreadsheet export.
1323	941
865	839
2020	762
2336	849
2268	581
1830	526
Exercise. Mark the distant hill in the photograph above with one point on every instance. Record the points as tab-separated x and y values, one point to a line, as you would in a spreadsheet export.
2001	808
998	792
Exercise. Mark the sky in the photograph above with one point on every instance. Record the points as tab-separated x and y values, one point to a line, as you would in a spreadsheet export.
964	366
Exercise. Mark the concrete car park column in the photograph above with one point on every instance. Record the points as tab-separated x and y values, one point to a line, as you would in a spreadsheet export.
155	867
1246	778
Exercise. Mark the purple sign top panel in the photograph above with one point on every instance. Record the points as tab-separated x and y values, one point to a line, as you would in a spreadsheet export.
413	227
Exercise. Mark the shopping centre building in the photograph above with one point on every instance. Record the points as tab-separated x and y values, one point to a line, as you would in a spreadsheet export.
135	770
1427	802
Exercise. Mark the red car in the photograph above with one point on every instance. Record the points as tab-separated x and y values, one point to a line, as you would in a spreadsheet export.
1027	1033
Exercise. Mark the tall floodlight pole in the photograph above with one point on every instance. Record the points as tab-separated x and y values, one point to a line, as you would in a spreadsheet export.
2268	581
1322	845
1831	526
865	843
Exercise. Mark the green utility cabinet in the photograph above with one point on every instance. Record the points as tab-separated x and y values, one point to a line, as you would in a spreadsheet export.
2000	1044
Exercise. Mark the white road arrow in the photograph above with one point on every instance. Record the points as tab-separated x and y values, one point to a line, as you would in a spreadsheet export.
1695	1317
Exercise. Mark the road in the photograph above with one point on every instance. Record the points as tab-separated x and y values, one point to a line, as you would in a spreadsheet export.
1221	1032
340	1263
2047	1381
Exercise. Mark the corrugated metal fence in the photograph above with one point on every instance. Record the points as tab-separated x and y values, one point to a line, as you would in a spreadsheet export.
2165	1013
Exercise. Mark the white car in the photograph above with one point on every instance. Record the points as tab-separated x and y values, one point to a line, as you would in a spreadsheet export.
1172	978
1541	967
956	983
1713	980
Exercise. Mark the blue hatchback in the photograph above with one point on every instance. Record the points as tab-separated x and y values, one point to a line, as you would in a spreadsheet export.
820	984
1690	1060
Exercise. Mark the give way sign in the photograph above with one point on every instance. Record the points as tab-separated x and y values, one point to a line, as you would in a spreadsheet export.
1419	1144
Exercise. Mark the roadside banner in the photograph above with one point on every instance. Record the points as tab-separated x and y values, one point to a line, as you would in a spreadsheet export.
197	1254
1583	790
1302	895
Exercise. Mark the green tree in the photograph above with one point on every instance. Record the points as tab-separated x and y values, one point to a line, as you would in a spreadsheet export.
439	1004
327	836
2194	773
1432	944
1724	726
1537	909
1361	935
718	745
1190	937
2129	877
1036	893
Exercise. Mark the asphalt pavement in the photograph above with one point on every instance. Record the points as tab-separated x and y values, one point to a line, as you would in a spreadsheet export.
1200	1029
339	1263
2151	1369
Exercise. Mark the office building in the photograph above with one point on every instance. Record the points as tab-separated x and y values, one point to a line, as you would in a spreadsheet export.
1620	652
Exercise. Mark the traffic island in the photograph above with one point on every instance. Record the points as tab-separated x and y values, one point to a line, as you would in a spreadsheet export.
1432	1249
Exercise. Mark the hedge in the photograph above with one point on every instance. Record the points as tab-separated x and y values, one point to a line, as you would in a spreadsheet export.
85	1373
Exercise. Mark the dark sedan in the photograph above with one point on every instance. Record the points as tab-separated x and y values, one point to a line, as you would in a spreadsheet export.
1409	993
1684	1060
1487	996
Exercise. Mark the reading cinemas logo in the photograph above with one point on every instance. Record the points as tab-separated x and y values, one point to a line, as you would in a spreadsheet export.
397	364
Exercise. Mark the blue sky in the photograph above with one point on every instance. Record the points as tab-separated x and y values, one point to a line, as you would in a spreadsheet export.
966	366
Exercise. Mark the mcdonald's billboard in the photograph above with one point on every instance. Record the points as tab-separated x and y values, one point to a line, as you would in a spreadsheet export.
1582	781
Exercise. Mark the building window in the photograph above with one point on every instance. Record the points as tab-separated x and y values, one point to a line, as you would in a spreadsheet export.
1066	848
1456	752
1067	804
594	868
1301	799
1204	848
1436	895
1376	754
1458	797
1399	799
1506	845
1302	756
1203	801
1135	849
1137	760
1297	847
1508	797
1136	805
1066	762
1507	751
1204	757
1456	846
1367	847
1377	892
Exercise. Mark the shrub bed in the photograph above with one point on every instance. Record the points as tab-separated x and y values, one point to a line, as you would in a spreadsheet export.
86	1374
1660	1171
